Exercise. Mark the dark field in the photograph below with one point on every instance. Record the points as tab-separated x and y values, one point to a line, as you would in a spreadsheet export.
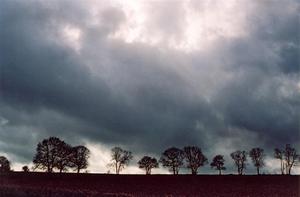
42	184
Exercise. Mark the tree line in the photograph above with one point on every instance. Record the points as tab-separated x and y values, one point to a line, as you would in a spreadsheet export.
55	154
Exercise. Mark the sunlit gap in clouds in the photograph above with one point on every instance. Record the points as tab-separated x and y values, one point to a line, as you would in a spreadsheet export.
201	25
71	36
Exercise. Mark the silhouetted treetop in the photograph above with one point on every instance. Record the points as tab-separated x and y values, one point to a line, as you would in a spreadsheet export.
48	154
257	155
194	158
240	158
172	158
54	153
79	157
148	163
288	158
119	159
218	163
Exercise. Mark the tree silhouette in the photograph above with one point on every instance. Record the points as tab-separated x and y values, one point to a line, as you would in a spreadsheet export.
50	154
257	155
172	158
148	163
278	154
288	158
4	165
194	158
240	158
291	158
119	159
64	156
79	157
218	163
25	169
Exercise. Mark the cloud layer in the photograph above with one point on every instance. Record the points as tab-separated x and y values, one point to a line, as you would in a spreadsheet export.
149	75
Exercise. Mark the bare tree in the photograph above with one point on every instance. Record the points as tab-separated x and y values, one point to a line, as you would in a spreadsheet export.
218	163
173	159
291	158
288	158
257	155
278	154
79	157
148	163
4	164
240	158
194	158
119	159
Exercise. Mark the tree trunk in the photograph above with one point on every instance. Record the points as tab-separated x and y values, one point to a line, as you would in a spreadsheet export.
148	171
281	167
257	169
194	172
220	172
78	170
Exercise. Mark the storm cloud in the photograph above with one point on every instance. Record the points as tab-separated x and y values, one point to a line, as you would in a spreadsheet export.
149	75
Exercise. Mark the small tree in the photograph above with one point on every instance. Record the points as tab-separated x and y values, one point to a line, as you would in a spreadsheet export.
278	154
194	158
119	159
4	165
172	158
79	158
218	163
257	155
240	158
25	169
148	163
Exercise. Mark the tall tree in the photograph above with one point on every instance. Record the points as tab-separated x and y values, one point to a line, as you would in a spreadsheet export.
291	158
240	158
288	158
218	163
257	155
48	154
172	158
79	158
4	164
278	154
194	158
64	156
119	159
148	163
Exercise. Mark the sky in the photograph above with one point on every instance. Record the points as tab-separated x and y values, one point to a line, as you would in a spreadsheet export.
147	75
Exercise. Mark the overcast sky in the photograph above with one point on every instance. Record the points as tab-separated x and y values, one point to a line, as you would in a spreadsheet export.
147	75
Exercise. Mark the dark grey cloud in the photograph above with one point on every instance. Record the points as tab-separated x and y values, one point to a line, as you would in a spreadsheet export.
241	92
